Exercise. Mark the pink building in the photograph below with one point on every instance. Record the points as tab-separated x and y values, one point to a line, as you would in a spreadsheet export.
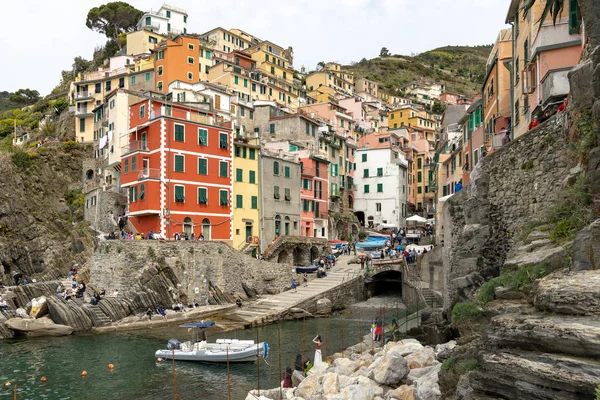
314	196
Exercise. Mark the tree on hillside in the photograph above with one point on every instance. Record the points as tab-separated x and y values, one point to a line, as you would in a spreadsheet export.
25	97
320	65
112	19
80	64
438	107
384	52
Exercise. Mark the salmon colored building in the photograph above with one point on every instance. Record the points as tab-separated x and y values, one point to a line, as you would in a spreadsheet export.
177	169
185	58
314	196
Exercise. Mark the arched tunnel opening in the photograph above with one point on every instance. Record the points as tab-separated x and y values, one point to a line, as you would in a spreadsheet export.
386	282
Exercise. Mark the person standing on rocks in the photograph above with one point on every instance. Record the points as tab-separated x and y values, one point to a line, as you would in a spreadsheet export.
318	355
294	285
305	278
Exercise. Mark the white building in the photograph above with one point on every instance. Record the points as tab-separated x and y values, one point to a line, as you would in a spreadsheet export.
166	20
381	178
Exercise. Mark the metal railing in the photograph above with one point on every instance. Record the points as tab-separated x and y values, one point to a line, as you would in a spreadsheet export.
83	95
149	173
134	145
189	116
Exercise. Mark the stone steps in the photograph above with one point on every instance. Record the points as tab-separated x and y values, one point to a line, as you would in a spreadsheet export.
100	316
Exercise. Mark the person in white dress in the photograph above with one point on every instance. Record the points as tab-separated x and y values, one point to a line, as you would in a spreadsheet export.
318	355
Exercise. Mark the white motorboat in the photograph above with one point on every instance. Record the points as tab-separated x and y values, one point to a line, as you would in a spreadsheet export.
223	350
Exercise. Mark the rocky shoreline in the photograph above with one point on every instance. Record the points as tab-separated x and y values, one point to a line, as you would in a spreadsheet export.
403	370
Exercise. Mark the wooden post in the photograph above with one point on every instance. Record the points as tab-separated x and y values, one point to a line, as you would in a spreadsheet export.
174	375
303	335
257	363
228	374
359	332
279	348
15	387
326	340
342	332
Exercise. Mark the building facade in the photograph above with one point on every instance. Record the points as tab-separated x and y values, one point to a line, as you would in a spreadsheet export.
246	192
280	188
381	197
168	20
177	169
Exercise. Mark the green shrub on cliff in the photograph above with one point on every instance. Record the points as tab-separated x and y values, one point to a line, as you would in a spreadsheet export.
520	279
466	312
598	392
22	159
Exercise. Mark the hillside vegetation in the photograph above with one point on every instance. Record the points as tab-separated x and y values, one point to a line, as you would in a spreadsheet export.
462	68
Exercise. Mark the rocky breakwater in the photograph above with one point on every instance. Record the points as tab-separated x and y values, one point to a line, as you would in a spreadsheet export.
404	370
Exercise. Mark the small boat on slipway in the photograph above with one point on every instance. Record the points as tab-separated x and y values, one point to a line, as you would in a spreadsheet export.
223	350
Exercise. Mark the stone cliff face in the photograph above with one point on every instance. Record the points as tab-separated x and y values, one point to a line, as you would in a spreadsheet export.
521	209
41	234
151	272
483	223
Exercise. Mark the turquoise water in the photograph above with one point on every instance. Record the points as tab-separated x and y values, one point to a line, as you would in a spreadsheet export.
137	376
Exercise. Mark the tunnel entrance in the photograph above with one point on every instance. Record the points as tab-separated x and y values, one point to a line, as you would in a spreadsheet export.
386	282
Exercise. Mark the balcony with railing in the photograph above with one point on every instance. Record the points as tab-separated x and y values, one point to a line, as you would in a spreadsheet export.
149	173
83	111
84	96
188	116
134	146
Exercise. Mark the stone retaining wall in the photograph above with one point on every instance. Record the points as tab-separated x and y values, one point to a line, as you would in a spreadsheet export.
181	270
517	183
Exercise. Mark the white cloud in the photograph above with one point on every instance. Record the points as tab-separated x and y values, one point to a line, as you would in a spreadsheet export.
41	38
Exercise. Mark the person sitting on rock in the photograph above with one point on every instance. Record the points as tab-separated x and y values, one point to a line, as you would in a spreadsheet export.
238	302
149	313
287	378
3	305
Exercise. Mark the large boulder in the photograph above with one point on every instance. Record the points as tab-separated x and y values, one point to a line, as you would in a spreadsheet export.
344	366
330	384
297	378
586	248
403	392
324	306
421	359
353	392
427	387
308	386
390	369
445	348
554	257
575	293
403	349
417	373
21	313
38	327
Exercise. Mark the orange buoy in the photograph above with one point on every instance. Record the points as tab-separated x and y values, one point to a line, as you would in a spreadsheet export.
159	360
7	384
111	366
44	379
83	374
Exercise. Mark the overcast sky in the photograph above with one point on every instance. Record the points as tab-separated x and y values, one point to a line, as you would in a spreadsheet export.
39	38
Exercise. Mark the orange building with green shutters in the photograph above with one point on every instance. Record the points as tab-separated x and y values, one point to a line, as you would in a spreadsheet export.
177	170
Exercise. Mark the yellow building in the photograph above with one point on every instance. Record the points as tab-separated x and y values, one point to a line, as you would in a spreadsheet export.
273	60
324	94
90	89
246	193
332	76
142	41
414	117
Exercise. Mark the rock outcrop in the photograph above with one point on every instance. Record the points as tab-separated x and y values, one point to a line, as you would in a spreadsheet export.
403	370
37	327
